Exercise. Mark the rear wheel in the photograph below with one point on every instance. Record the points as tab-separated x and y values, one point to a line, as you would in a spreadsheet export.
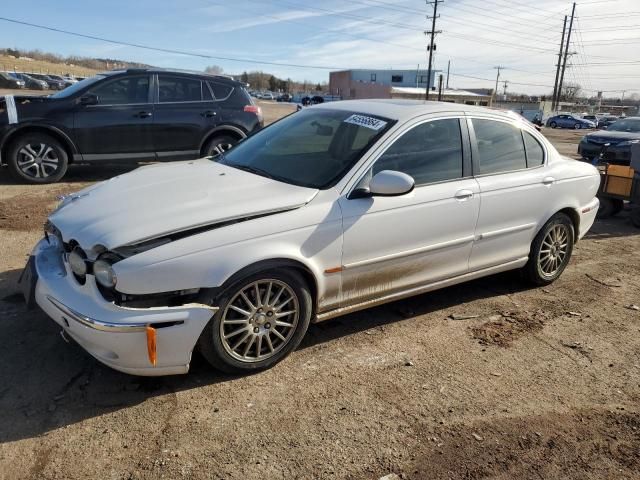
550	251
553	124
219	144
37	158
260	320
577	126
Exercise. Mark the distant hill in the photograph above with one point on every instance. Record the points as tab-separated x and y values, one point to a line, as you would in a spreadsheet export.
37	61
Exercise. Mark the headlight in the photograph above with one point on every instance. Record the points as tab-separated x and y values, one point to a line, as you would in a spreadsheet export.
103	271
77	262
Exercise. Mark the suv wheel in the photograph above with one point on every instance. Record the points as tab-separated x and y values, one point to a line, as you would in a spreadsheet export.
260	320
550	251
37	158
219	144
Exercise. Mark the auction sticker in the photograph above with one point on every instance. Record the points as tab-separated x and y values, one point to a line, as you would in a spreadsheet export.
368	122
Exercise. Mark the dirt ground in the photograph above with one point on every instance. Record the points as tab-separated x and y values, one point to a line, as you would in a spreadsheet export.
541	383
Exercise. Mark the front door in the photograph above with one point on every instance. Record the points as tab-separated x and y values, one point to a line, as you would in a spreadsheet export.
393	244
119	126
185	111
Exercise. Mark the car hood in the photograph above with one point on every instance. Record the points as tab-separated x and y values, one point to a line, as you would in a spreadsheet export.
163	199
604	136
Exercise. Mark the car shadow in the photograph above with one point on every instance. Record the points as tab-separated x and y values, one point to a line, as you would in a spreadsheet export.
46	384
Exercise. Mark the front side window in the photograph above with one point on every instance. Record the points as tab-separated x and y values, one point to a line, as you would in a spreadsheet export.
312	148
500	146
122	91
430	152
179	89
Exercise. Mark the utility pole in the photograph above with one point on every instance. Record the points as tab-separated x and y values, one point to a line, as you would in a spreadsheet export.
566	54
495	90
440	89
505	82
448	69
554	100
622	100
432	33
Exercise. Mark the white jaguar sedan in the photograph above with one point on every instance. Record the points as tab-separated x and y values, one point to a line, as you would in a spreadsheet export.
330	210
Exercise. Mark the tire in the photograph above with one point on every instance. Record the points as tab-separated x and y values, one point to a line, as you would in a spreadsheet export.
618	205
635	217
248	329
577	126
553	124
607	208
37	158
543	266
218	144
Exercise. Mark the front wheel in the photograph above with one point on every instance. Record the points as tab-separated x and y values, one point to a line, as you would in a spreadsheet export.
37	158
550	251
260	320
553	124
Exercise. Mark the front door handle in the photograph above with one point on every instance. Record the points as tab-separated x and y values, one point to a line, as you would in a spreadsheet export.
548	180
463	194
143	114
209	114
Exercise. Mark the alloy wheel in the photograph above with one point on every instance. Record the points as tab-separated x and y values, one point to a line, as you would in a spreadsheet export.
38	160
259	320
553	251
222	147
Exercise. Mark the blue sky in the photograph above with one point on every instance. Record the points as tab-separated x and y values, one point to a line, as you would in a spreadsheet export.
477	35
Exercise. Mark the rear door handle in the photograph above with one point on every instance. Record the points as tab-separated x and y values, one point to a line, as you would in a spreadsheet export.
463	194
209	114
143	114
548	180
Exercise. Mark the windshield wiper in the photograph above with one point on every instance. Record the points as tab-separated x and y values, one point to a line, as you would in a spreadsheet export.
254	170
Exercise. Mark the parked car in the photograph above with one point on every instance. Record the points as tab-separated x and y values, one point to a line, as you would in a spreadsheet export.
236	255
614	143
65	81
134	115
8	81
266	96
593	119
51	82
569	121
606	121
285	97
30	82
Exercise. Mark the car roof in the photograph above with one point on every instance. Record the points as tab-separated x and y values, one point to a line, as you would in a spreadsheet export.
171	70
398	109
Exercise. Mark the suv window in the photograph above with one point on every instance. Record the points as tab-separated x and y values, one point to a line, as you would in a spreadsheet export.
535	153
123	91
429	152
220	91
179	89
500	146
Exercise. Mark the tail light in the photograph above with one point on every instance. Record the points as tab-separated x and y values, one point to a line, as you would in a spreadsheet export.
253	109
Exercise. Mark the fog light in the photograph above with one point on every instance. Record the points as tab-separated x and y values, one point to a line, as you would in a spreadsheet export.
77	262
105	276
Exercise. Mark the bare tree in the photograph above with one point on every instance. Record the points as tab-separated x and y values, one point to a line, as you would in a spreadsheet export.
213	70
571	92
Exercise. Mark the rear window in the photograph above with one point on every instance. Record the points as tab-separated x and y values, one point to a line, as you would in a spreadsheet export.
220	91
179	89
500	146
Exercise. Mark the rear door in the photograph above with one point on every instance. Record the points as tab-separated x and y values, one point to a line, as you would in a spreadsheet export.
515	186
184	112
119	126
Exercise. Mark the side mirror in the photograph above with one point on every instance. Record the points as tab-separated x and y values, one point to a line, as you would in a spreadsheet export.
387	183
89	99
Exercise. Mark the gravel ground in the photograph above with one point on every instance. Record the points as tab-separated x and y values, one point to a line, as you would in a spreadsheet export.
540	383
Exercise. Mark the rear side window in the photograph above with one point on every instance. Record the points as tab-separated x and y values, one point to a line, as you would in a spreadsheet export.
535	153
123	91
500	146
430	152
179	89
220	91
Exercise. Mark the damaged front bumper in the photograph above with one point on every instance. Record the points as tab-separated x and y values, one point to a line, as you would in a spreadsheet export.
116	336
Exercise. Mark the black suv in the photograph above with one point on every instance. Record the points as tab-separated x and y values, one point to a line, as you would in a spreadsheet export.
132	115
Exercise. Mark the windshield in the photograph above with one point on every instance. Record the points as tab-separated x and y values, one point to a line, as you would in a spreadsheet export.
629	125
70	90
311	148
